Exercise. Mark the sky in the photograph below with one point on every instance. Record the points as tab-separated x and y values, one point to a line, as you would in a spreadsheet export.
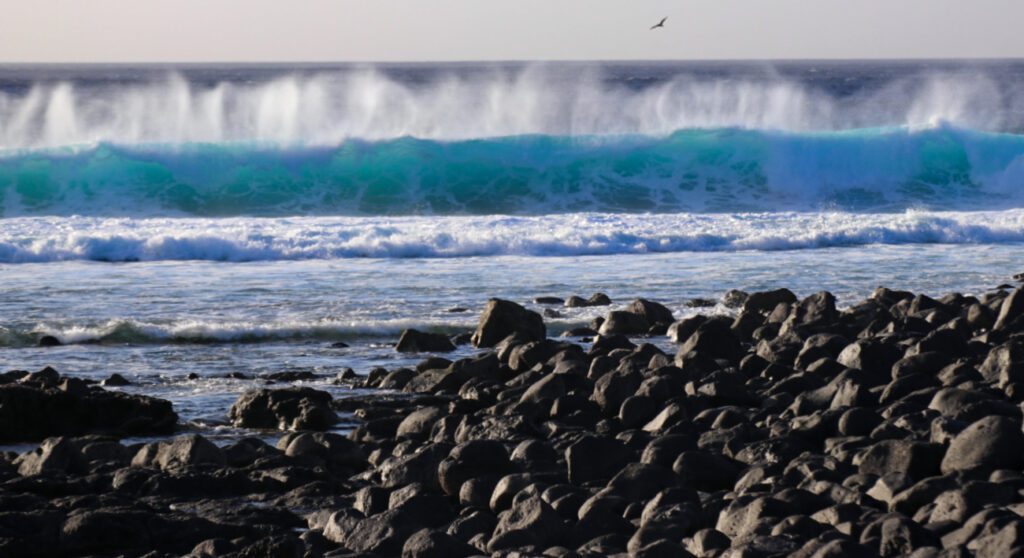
448	30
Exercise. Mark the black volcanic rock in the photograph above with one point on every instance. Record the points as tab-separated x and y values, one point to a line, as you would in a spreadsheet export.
651	311
31	413
502	318
991	443
714	339
765	301
284	409
917	459
415	341
1011	311
49	341
469	460
623	322
892	427
595	458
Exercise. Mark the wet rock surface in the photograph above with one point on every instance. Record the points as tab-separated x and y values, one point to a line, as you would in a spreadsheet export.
794	428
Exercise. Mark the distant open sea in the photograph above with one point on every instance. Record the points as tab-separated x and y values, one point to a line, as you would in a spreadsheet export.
167	220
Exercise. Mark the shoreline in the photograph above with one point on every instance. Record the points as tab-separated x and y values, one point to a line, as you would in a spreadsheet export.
793	428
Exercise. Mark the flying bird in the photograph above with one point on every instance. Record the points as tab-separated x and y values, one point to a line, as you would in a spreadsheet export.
660	23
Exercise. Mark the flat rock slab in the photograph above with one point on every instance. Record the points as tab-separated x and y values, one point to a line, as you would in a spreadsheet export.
29	413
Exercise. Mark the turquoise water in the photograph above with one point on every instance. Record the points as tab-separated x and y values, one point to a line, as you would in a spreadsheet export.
716	170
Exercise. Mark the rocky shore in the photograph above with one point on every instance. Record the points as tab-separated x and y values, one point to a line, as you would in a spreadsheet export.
789	428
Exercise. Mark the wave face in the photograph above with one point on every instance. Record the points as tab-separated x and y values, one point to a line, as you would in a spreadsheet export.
720	170
38	239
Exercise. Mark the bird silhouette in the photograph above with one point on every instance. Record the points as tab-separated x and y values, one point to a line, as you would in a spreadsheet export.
660	23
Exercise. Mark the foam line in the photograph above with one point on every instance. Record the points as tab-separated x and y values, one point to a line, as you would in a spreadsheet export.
38	239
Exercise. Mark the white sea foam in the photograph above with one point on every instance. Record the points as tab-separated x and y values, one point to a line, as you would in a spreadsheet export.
213	331
32	239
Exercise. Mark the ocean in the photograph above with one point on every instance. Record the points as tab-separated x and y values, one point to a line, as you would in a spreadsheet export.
197	228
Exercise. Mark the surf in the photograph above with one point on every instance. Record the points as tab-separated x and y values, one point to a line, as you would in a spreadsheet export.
131	331
49	239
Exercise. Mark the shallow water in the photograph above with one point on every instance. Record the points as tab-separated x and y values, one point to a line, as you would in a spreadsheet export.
157	322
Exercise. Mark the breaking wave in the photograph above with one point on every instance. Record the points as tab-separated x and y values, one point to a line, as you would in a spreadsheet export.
715	170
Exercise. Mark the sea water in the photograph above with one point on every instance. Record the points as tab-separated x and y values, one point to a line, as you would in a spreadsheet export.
231	222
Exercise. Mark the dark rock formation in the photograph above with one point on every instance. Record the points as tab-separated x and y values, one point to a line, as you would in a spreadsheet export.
38	407
284	409
797	428
502	318
415	341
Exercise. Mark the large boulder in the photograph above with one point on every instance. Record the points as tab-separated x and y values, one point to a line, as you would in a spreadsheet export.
704	470
596	299
418	423
680	331
31	413
615	387
1004	363
1011	311
766	301
430	381
953	402
181	452
870	355
333	449
469	460
917	459
502	318
284	409
713	339
991	443
426	543
54	455
653	312
816	312
622	322
530	519
639	482
384	533
484	367
415	341
594	458
89	531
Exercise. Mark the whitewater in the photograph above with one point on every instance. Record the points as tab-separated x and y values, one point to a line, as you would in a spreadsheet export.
44	239
233	221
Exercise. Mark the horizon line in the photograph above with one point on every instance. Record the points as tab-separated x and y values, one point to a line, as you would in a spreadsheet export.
507	61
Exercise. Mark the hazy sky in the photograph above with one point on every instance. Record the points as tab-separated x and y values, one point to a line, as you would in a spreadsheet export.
400	30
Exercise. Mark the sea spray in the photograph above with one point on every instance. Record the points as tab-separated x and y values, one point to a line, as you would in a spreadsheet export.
327	105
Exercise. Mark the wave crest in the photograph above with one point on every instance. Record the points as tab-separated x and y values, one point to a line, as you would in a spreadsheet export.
328	106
